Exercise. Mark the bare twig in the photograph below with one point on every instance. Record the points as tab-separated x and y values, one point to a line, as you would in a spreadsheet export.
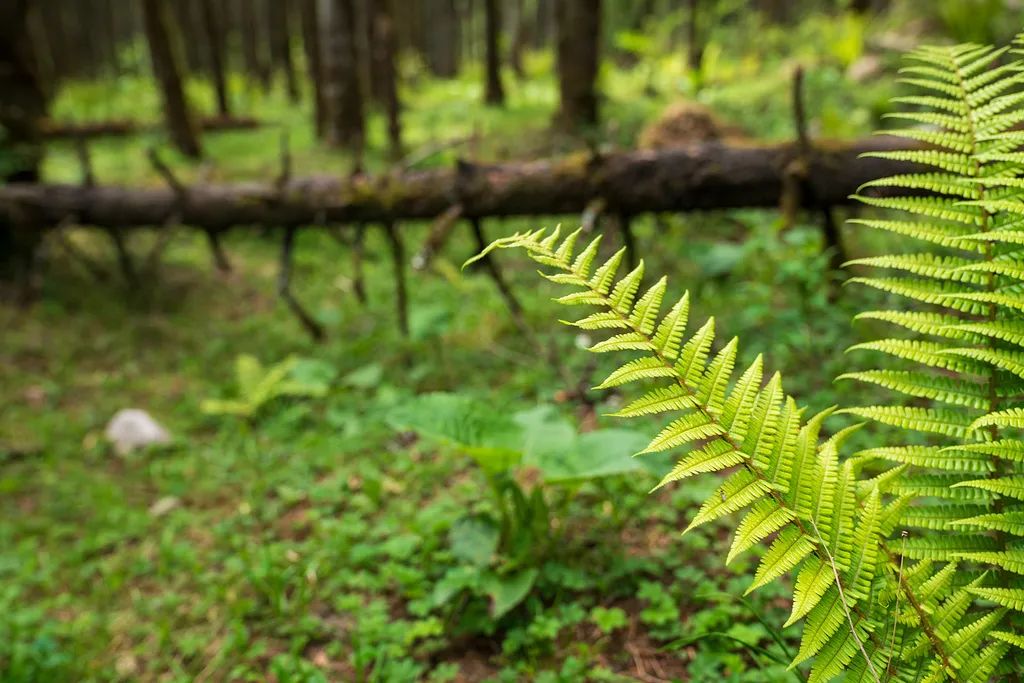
440	231
398	262
166	173
124	258
591	214
85	161
284	283
830	230
220	258
358	276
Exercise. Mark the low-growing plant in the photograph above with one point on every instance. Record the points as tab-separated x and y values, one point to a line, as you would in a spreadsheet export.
906	556
533	462
258	386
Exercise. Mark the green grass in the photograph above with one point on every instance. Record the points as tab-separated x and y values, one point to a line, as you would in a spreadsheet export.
309	544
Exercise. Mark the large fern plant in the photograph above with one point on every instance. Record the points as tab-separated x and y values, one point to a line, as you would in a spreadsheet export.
906	559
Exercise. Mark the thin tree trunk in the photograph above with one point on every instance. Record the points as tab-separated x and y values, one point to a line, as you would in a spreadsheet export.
519	31
495	92
161	36
342	94
543	23
22	109
440	27
578	24
253	54
694	48
215	28
311	46
385	75
281	46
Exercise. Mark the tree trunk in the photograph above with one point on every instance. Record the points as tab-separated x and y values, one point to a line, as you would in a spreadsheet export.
341	75
495	92
543	23
519	31
253	55
578	24
694	48
311	46
384	73
281	46
440	25
708	177
161	37
21	111
215	28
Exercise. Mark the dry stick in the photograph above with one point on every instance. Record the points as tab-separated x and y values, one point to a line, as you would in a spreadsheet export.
220	258
160	246
95	269
358	276
440	231
85	162
285	173
180	191
284	287
830	230
124	259
494	271
398	262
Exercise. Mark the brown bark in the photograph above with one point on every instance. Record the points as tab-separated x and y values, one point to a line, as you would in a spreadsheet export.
578	25
311	47
441	37
342	94
694	48
494	91
161	36
708	177
384	55
215	28
21	110
253	55
520	32
281	46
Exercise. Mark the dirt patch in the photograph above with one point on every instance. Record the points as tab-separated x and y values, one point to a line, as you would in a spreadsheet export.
684	124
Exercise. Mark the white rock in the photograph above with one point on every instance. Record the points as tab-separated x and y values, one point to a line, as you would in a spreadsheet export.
133	428
164	506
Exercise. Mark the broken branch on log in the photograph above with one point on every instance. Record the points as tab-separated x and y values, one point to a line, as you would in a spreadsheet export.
284	287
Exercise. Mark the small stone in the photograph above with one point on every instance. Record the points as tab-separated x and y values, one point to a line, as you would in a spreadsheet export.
164	506
133	428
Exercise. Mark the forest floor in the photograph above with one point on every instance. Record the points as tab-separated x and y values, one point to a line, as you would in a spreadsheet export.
321	539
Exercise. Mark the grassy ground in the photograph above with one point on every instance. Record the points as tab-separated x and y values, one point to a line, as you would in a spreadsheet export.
321	540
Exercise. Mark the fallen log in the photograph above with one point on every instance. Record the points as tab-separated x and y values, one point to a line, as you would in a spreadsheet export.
59	130
706	177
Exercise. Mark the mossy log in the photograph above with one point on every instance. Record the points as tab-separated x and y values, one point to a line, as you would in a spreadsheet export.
705	177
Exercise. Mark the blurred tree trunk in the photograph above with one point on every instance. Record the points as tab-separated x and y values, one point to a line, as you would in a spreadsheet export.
341	75
384	56
253	54
22	109
494	92
314	64
188	18
519	30
281	46
694	47
441	37
216	31
543	23
578	26
161	37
